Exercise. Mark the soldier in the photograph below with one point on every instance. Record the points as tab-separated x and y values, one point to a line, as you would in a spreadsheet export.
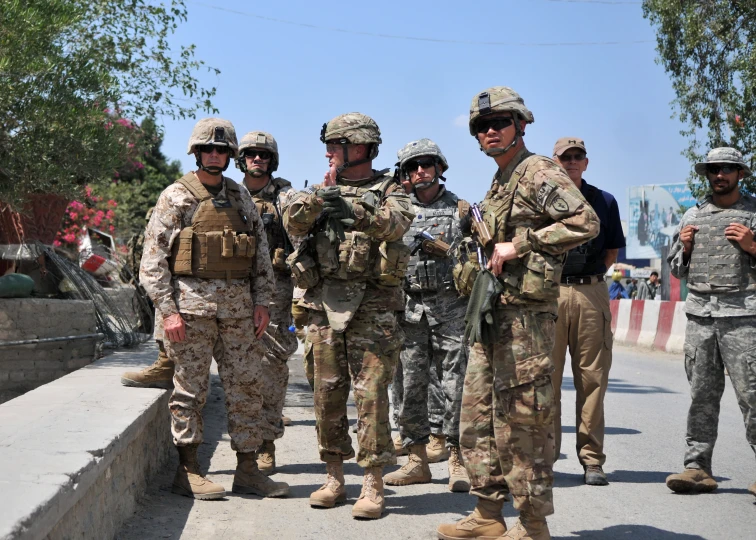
206	268
530	217
584	322
352	265
714	250
258	160
433	321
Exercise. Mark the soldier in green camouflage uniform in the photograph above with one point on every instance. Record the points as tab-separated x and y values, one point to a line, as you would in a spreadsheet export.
534	214
433	321
258	160
352	265
714	250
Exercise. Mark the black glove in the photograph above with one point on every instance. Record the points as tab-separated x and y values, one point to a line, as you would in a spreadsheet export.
338	208
480	322
329	193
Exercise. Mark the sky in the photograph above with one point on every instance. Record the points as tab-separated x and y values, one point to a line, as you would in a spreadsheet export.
586	68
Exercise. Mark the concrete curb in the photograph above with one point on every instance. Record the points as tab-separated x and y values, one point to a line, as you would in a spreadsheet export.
75	454
650	324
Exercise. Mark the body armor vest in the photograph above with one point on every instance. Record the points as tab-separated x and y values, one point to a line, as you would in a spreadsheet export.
716	263
220	242
267	205
428	272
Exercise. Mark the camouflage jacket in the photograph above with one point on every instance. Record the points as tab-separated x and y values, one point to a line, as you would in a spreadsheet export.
194	296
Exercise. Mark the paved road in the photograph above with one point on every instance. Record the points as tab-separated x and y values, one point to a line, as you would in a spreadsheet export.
646	406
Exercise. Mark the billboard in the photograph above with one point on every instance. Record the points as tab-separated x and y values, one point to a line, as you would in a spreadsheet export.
653	214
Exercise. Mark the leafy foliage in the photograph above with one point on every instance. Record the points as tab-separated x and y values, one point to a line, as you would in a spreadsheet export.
71	71
707	48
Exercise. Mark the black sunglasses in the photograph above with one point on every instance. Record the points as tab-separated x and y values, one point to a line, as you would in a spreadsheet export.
725	169
425	163
264	154
497	124
208	149
572	157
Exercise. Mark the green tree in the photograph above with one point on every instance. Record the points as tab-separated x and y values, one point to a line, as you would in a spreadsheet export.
707	48
71	71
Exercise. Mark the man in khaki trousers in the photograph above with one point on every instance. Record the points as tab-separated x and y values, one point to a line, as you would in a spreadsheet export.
584	323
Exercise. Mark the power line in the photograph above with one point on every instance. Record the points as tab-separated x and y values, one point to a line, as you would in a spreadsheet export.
425	39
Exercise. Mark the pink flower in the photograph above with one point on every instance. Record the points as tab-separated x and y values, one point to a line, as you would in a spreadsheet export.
73	215
111	228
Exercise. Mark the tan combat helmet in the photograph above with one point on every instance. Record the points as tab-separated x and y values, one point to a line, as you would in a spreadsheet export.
353	128
499	99
421	148
217	132
260	140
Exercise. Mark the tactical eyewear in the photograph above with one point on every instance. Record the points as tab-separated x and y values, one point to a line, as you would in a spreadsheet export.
497	124
334	144
425	163
724	169
572	157
208	149
265	155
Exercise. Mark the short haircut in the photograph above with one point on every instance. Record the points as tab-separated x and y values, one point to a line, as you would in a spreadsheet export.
655	273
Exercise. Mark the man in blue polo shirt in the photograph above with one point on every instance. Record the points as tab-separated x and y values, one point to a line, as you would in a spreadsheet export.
584	323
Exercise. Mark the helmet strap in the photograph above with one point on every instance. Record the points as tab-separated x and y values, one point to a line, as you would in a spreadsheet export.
214	171
493	152
348	163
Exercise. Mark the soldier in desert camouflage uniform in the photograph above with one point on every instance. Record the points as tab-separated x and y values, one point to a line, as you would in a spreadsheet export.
433	323
714	250
352	265
258	159
207	269
533	214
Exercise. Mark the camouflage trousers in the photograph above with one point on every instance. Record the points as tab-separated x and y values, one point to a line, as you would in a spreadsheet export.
239	359
275	371
427	387
507	429
711	345
368	351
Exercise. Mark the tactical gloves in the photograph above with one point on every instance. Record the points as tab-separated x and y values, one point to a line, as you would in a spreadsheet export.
480	321
335	206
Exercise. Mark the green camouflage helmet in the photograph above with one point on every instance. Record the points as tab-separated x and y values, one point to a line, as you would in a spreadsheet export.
498	99
357	128
423	147
215	131
262	140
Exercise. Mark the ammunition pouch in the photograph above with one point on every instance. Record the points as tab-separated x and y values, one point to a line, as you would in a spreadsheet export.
304	269
464	275
426	273
536	277
279	259
393	263
212	254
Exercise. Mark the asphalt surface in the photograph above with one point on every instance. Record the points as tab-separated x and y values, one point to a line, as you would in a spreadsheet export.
646	409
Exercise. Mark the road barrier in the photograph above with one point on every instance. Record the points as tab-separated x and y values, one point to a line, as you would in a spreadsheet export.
649	323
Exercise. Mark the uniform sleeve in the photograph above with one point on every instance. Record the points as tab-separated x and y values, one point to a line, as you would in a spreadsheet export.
163	228
300	213
573	220
677	266
263	279
285	198
615	238
389	222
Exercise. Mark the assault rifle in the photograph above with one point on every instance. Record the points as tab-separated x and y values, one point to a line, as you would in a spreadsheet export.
430	244
483	234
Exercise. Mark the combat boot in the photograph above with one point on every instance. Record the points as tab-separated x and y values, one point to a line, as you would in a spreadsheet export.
415	471
266	458
752	489
459	482
528	528
158	375
248	480
333	492
398	447
370	504
485	523
691	481
437	450
286	420
189	482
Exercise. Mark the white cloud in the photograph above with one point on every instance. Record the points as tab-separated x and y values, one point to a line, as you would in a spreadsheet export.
461	120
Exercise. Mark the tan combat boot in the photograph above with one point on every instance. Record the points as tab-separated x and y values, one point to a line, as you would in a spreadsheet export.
189	482
528	528
691	481
415	471
485	523
398	447
370	504
459	482
286	420
266	458
248	480
333	492
752	489
158	375
437	450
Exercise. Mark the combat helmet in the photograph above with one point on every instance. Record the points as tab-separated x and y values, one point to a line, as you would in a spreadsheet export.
258	139
495	100
353	128
422	147
214	131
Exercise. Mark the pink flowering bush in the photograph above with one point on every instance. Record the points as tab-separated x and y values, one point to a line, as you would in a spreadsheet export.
93	212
